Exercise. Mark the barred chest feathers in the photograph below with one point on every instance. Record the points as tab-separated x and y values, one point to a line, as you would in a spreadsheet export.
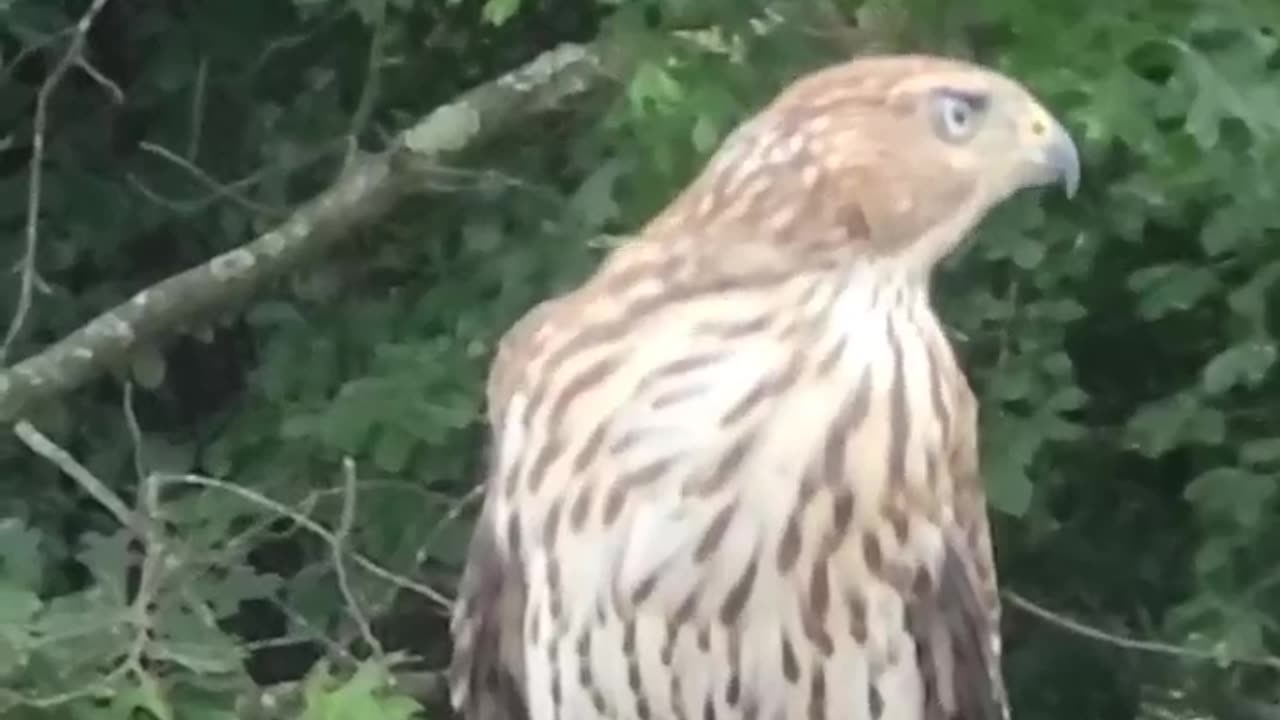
741	522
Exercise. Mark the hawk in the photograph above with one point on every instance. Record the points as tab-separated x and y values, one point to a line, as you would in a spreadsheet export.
734	474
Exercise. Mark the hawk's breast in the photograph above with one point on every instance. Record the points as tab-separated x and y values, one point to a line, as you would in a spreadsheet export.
738	533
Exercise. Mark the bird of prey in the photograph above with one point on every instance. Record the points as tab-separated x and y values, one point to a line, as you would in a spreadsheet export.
734	473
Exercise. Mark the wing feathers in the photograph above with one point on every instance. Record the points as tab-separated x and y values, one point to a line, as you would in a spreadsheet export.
951	629
486	674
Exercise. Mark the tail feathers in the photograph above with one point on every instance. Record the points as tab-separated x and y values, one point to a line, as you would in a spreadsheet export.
486	675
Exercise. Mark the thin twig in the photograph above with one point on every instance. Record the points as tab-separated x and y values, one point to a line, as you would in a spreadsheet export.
219	188
26	286
106	497
238	544
308	632
312	526
133	521
197	109
101	685
135	432
147	511
1148	646
369	91
423	552
141	521
454	513
287	42
346	522
106	83
36	46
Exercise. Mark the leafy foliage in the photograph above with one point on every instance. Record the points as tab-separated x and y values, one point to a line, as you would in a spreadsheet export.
1124	343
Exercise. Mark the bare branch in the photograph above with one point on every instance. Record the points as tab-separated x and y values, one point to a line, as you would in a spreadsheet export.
472	496
346	521
73	57
197	108
147	511
310	156
219	188
363	194
106	83
138	522
96	489
369	91
315	528
141	521
1148	646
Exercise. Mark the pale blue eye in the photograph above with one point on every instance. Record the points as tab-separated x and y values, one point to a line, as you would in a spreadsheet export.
956	115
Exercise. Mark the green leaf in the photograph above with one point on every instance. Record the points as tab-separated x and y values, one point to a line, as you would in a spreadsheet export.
185	638
20	558
1225	230
371	12
18	605
1010	443
1262	451
1164	289
498	12
1067	398
1244	635
1158	427
482	235
108	558
1244	364
364	696
1228	84
653	84
706	134
1063	310
1235	493
1213	555
238	583
1009	488
83	623
1027	254
392	449
147	695
1058	364
211	709
1011	383
1250	298
147	366
593	204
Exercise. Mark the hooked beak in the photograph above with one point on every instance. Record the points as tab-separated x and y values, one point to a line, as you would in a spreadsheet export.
1064	159
1057	159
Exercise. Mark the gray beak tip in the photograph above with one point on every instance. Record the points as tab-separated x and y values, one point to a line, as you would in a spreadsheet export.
1064	161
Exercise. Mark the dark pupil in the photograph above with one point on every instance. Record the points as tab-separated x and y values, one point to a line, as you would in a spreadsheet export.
959	113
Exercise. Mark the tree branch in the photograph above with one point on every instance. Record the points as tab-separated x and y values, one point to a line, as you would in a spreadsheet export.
1148	646
365	192
73	57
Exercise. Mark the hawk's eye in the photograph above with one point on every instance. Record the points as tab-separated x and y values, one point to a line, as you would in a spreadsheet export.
956	114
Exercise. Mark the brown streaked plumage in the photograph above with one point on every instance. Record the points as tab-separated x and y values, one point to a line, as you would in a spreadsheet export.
734	474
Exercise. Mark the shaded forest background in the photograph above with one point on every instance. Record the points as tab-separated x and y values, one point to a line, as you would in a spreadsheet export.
254	256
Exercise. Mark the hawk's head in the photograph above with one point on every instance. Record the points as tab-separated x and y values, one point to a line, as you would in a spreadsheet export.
887	155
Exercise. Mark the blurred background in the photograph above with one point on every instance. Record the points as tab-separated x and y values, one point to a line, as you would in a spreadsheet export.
258	508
